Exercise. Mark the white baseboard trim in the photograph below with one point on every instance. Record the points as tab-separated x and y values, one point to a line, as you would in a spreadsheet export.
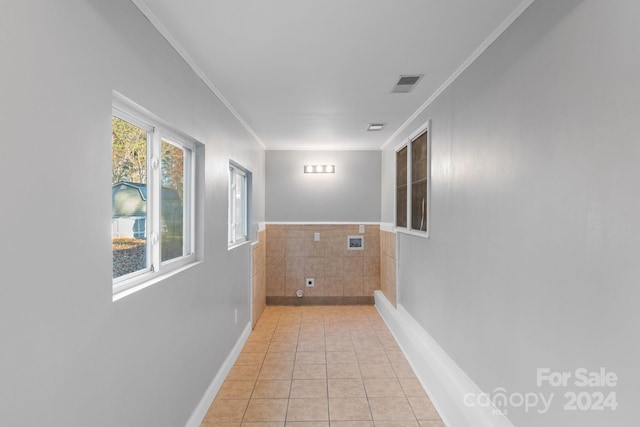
443	380
203	406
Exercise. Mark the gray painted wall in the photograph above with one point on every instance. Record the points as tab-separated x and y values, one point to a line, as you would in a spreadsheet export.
351	194
532	261
70	356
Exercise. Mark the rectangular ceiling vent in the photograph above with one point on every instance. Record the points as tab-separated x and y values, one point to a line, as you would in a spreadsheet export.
406	83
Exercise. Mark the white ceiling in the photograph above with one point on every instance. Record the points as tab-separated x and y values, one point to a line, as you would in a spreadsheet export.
303	74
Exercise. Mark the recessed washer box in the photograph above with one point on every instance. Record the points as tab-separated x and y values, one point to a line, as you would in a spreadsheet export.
355	243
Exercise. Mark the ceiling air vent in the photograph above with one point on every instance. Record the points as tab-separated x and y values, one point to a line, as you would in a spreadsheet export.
406	83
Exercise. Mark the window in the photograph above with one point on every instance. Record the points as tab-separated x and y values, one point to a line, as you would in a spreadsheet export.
152	187
239	189
412	184
401	187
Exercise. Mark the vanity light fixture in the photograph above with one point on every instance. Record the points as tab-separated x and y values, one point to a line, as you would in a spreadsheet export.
319	168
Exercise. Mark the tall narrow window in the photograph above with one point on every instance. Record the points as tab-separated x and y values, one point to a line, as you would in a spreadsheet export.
239	186
172	201
129	198
152	187
401	187
419	164
412	185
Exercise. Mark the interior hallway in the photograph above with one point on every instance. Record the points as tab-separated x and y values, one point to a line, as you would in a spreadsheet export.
322	365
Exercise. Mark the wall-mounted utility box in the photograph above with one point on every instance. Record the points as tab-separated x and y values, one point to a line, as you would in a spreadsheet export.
355	243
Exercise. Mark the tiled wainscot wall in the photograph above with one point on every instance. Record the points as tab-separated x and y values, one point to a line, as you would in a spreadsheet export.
388	265
258	276
341	276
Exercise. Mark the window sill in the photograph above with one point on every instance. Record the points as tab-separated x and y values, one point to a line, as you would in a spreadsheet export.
119	294
238	244
422	234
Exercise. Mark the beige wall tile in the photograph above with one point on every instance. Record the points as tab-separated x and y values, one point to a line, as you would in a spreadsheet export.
335	247
372	246
316	291
388	265
275	247
275	288
294	247
294	267
334	286
371	284
373	229
276	230
371	266
350	229
392	245
334	266
291	255
296	231
353	267
313	248
275	265
334	230
314	267
354	286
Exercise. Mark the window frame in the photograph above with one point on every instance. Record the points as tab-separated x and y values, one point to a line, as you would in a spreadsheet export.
157	132
232	240
408	144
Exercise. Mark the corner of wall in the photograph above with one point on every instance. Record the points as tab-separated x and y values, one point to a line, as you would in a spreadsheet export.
258	276
388	265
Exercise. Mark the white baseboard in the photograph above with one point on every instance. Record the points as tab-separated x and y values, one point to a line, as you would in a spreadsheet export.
203	406
443	380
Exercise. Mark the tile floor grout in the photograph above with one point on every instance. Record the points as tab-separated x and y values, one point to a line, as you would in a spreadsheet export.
375	395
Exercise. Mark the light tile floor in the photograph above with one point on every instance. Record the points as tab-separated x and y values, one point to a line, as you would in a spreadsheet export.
319	367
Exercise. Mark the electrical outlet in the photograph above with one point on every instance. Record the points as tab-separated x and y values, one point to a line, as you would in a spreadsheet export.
310	283
316	237
361	228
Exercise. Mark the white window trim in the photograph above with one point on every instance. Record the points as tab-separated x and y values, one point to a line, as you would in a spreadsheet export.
158	131
426	127
232	242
